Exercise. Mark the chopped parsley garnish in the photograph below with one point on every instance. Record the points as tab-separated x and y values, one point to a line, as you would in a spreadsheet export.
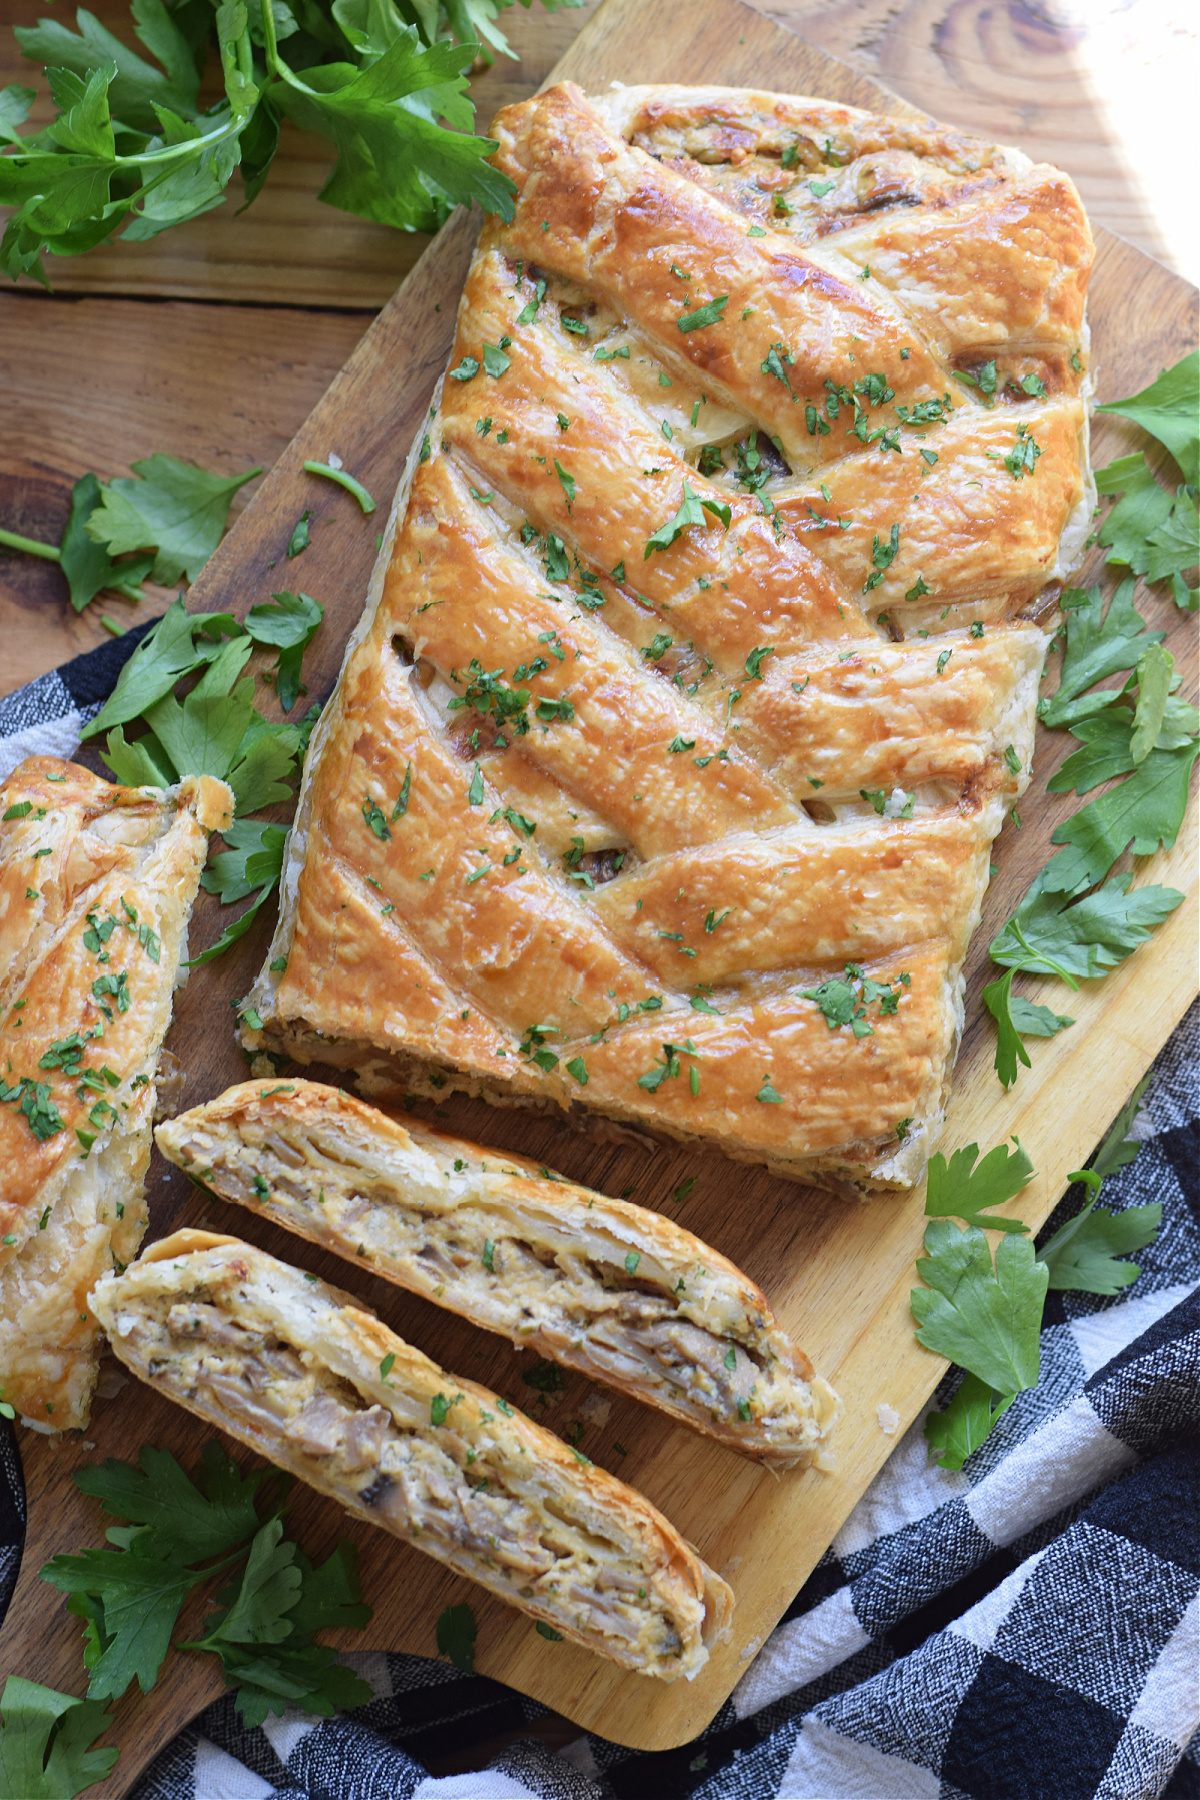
1023	455
567	481
439	1407
374	819
708	314
532	1047
774	364
401	806
984	379
691	512
529	311
33	1097
883	555
843	1000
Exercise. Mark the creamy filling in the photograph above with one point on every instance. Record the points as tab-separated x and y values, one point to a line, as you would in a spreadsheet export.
464	1497
628	1328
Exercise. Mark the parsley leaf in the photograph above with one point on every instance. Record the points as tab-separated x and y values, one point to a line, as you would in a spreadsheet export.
952	1435
708	314
1152	533
44	1752
290	623
1081	1256
176	508
190	1518
130	1596
1053	934
300	539
1016	1017
455	1633
691	512
141	1596
1168	409
984	1319
180	643
135	139
1155	670
86	564
961	1190
254	859
1142	813
1099	643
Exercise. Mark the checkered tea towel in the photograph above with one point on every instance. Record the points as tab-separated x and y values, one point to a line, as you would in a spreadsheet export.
1027	1629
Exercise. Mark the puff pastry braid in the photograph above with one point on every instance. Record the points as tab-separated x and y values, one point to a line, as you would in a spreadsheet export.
702	654
308	1378
96	888
613	1290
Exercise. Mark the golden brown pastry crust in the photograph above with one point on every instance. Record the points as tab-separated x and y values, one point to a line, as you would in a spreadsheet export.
306	1377
96	886
619	1293
599	778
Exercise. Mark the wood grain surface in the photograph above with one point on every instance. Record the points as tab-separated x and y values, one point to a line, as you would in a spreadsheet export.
839	1276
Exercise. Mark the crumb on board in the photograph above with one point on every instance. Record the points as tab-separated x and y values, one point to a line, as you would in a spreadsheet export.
595	1410
888	1418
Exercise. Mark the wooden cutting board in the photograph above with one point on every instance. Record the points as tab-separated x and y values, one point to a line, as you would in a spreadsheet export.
838	1275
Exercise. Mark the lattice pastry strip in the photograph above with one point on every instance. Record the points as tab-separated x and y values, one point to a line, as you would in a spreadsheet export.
690	674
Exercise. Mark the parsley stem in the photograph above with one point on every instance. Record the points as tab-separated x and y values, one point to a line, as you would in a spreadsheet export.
1040	956
343	480
14	541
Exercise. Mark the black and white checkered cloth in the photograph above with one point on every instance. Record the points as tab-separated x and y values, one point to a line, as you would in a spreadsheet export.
1027	1629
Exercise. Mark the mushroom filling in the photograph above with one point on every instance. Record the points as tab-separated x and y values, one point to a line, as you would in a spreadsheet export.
463	1492
578	1306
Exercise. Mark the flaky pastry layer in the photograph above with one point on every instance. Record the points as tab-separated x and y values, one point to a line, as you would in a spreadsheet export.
700	663
612	1290
309	1379
96	888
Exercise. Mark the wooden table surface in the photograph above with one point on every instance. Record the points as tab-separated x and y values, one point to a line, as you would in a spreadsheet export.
215	340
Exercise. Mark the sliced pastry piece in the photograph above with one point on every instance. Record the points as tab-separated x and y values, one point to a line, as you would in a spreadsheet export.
300	1372
617	1292
716	579
96	888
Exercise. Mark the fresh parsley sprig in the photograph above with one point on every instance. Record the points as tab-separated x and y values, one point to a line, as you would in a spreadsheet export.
135	148
215	729
45	1740
174	510
986	1316
181	1533
1138	741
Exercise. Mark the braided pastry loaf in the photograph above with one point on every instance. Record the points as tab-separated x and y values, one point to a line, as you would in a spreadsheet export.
699	668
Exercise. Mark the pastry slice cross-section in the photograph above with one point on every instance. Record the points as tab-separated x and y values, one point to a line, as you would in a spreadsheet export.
617	1292
96	888
699	668
309	1379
